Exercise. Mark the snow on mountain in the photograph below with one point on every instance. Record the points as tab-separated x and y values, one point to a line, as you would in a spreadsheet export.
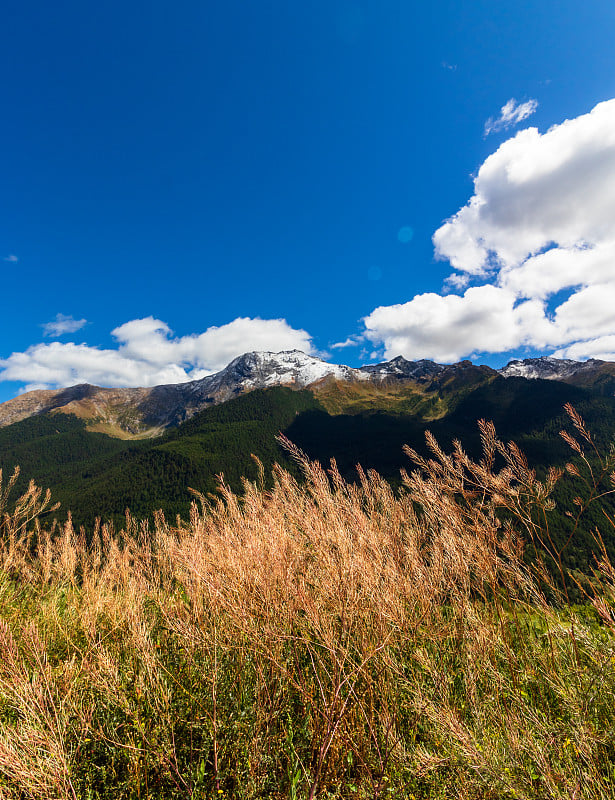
139	410
162	406
261	369
400	368
547	368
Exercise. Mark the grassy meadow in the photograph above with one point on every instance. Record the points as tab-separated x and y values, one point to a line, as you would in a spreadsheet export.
316	638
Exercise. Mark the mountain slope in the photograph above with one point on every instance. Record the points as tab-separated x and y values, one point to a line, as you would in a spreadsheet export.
142	412
351	421
145	412
560	369
96	475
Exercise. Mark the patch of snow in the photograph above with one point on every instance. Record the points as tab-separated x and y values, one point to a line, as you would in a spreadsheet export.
547	368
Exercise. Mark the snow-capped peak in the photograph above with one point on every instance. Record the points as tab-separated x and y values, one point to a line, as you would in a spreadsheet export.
546	367
262	368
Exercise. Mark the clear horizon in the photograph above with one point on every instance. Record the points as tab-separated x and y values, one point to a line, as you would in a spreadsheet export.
357	180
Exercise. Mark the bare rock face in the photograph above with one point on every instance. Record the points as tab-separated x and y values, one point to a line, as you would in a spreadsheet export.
137	411
41	400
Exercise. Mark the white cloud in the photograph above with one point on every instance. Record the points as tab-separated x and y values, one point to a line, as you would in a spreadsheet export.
511	113
540	223
536	190
447	328
561	268
456	281
148	354
587	314
58	364
150	340
602	347
63	324
351	341
11	258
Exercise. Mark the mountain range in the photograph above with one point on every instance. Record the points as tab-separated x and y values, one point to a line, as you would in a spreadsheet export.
102	451
146	412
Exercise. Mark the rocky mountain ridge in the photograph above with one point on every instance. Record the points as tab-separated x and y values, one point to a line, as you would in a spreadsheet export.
146	411
548	368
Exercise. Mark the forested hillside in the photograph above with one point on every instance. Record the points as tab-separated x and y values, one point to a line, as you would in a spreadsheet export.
94	475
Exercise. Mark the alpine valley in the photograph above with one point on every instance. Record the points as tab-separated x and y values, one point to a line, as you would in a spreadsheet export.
103	450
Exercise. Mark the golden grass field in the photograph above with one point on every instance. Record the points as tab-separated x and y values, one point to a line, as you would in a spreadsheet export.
313	639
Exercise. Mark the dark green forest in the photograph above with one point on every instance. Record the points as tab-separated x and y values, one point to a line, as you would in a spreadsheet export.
94	475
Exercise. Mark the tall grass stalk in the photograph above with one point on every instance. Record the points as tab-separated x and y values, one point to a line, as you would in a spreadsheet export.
321	638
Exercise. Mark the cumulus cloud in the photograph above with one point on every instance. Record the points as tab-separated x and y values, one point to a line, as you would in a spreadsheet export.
447	328
603	347
150	340
511	113
60	364
12	259
538	235
148	354
62	325
536	191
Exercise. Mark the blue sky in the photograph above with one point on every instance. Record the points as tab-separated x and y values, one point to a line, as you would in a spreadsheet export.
208	178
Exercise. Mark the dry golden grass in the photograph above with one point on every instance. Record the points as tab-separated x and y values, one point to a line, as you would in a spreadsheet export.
314	639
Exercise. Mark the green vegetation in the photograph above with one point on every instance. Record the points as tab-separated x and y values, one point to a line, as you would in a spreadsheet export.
94	475
315	639
339	397
54	450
